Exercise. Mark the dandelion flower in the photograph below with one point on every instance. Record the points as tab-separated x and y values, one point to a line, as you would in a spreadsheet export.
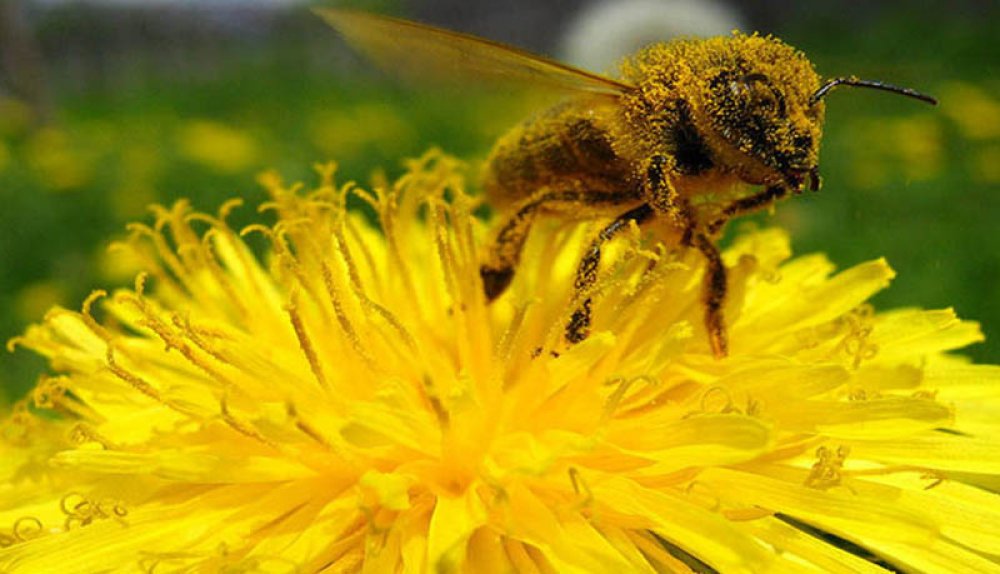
348	402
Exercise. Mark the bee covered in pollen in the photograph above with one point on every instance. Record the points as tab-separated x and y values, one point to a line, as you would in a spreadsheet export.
693	134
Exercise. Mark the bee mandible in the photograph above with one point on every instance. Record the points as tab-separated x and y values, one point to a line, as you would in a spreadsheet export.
694	133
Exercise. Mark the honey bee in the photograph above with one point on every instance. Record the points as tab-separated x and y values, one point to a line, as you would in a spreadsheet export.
692	134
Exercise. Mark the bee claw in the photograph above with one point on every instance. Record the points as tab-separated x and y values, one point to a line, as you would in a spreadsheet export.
815	181
720	347
495	281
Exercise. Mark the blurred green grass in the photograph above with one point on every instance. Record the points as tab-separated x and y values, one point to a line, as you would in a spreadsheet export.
912	183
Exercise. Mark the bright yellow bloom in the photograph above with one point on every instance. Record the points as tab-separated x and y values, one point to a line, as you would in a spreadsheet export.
354	405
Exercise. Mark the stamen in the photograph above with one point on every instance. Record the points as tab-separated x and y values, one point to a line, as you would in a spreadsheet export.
257	228
345	324
374	200
855	344
386	207
176	267
208	258
86	510
703	495
581	488
362	245
150	262
136	382
173	341
461	209
826	471
18	427
728	404
83	433
88	318
27	527
342	247
621	387
196	335
241	427
431	395
310	430
304	342
13	343
228	207
746	514
936	477
170	339
326	172
299	278
511	334
48	392
445	256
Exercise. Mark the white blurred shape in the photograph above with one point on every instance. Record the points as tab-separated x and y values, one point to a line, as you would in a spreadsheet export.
173	3
604	32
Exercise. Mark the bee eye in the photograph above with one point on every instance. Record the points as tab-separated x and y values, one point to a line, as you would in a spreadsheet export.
769	98
750	79
738	88
757	88
767	102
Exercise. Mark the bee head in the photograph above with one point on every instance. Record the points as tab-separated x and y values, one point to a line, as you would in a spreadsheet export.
758	111
763	106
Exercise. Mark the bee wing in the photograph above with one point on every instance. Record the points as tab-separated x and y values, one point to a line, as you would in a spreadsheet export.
420	51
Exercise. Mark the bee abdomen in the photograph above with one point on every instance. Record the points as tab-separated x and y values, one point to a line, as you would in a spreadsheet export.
561	149
592	145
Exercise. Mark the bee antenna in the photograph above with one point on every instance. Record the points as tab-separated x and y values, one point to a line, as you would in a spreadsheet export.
853	81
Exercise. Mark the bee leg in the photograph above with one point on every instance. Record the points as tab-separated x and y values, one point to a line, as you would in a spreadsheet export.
667	202
578	326
661	195
505	252
714	288
754	202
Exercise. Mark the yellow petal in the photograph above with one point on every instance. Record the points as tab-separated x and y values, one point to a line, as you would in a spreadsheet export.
704	534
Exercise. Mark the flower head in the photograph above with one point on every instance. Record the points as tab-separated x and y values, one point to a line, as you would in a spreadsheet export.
348	401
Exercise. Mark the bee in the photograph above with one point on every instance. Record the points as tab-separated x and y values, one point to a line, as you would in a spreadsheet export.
693	133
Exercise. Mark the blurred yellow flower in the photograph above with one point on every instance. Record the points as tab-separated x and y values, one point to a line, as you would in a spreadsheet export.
117	264
35	299
986	164
4	156
16	117
59	163
218	146
349	131
140	166
355	405
912	147
976	112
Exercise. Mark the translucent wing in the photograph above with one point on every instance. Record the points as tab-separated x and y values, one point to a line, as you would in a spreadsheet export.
424	52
